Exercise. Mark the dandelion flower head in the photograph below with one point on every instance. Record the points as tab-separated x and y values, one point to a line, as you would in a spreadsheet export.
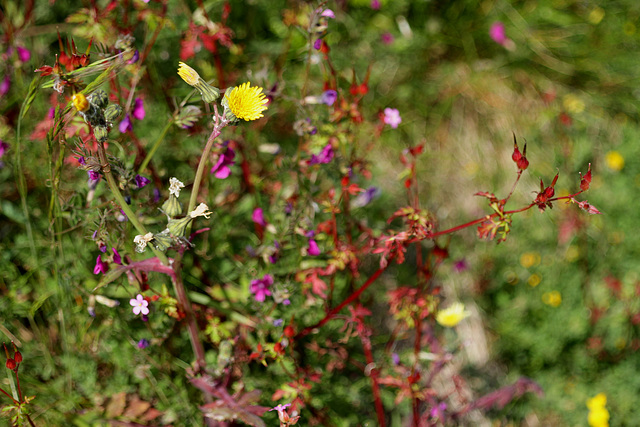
450	317
246	102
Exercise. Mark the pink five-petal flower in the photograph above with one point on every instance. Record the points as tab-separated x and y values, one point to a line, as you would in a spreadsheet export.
392	117
140	305
260	287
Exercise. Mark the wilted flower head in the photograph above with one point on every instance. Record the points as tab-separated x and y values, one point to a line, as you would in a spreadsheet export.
450	317
142	241
201	210
392	117
244	102
175	186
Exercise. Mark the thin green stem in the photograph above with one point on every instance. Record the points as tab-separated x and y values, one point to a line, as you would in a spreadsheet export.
106	170
154	148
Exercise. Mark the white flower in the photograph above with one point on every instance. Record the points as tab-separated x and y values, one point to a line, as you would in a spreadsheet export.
141	241
175	186
201	210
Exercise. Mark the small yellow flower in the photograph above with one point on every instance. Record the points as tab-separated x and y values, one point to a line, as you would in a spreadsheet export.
534	280
596	15
245	102
598	414
614	161
573	104
191	77
80	102
450	317
553	298
188	74
529	259
598	401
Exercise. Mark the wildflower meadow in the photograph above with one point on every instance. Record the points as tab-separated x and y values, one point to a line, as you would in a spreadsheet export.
319	213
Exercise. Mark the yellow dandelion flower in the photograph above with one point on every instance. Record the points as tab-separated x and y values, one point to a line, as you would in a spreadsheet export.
573	104
450	317
192	78
614	161
534	280
553	298
598	401
598	414
188	74
529	259
245	102
596	15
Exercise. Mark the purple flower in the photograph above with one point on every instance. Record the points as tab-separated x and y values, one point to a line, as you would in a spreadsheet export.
141	181
387	38
116	256
138	109
23	54
286	302
143	343
140	305
258	217
497	33
52	113
364	198
102	247
317	44
313	249
278	322
5	85
395	358
329	97
125	124
3	148
82	161
392	117
328	13
93	175
156	195
136	54
438	411
325	156
460	265
260	287
101	266
221	169
375	4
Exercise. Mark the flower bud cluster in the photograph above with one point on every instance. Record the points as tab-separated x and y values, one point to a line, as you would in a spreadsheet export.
96	111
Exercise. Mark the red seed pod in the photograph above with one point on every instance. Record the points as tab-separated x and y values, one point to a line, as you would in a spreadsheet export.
18	357
289	332
11	364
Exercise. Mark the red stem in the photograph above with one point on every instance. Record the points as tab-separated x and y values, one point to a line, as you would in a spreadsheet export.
15	402
18	382
366	343
330	315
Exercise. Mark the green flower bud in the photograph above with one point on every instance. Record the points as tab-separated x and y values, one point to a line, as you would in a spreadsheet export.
99	98
172	206
209	93
228	114
112	112
178	227
101	133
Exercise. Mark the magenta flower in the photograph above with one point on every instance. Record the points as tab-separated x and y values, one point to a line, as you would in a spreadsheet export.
116	256
387	38
23	54
375	4
313	248
329	97
222	168
143	343
140	305
125	125
138	109
325	156
5	85
317	44
392	117
497	33
3	148
260	287
101	266
280	408
258	217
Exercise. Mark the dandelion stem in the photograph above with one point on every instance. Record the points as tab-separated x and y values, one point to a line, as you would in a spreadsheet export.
154	148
